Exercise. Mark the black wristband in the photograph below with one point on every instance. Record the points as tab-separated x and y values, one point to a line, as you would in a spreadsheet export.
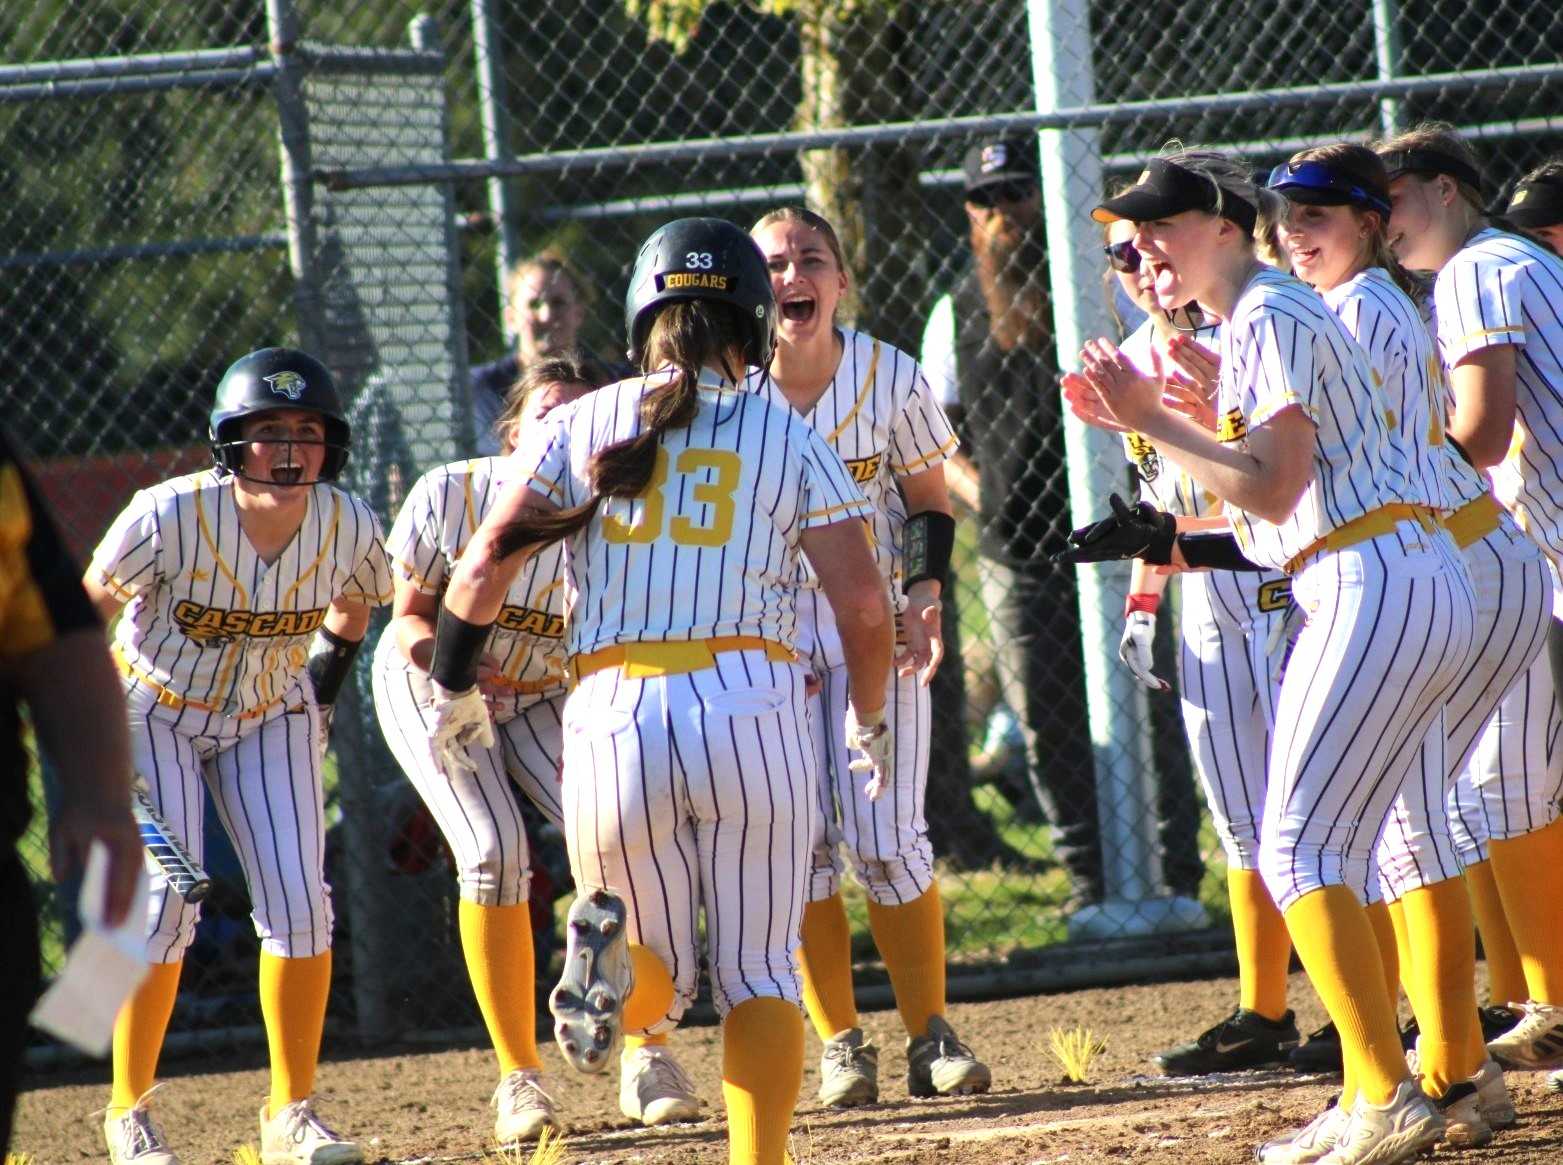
330	659
1218	551
457	647
928	539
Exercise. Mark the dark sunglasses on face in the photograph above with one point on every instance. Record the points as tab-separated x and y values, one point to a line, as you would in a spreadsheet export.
1122	257
1001	192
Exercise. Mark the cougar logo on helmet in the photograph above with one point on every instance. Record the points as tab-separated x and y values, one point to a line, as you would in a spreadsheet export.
288	384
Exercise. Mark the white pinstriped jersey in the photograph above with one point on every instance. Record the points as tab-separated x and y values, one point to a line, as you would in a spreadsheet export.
1162	483
1505	289
1284	347
437	521
1407	379
879	414
711	547
208	619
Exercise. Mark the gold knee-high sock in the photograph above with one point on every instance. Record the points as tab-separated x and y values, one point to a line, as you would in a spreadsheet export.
1505	975
762	1073
497	943
1529	872
138	1034
1263	946
293	994
825	963
1387	938
1443	937
652	996
1335	941
910	939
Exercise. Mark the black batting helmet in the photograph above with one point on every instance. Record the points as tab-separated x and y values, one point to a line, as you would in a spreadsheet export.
276	378
702	258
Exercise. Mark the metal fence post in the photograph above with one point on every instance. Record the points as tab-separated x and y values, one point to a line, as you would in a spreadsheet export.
486	48
1386	56
1116	705
297	192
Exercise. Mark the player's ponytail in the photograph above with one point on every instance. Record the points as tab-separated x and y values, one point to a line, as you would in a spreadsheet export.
685	336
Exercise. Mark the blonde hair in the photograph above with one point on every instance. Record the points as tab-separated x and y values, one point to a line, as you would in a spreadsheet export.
1443	137
1233	180
1367	169
549	262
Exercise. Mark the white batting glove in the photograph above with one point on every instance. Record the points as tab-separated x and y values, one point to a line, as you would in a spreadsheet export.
876	744
1139	631
461	719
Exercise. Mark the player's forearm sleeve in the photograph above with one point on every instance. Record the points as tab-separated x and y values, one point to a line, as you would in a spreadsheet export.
1216	550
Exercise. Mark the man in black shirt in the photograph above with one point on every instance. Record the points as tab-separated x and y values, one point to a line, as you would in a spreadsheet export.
54	659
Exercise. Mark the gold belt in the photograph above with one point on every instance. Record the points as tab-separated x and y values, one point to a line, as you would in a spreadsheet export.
673	658
170	699
1369	525
1474	521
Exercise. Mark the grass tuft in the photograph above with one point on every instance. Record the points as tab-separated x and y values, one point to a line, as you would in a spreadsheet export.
549	1150
1074	1051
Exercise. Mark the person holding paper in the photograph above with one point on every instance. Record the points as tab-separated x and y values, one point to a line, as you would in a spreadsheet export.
48	629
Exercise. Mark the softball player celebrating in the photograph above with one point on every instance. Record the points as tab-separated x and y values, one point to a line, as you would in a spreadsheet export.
473	803
1494	299
871	402
1231	625
689	775
1337	239
1302	460
246	590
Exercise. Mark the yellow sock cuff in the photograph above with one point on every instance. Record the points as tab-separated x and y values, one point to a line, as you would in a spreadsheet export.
762	1074
910	938
1505	974
1442	935
825	964
1529	872
1336	943
138	1033
496	942
293	994
652	996
1263	946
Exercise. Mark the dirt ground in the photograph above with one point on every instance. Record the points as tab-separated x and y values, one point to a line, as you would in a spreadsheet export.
414	1107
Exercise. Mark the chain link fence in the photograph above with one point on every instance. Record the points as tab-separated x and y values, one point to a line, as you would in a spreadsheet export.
185	183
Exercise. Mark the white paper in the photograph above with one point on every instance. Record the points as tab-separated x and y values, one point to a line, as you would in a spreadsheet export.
104	966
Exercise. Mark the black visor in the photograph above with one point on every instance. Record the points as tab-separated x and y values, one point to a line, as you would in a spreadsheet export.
1537	203
1424	161
1166	189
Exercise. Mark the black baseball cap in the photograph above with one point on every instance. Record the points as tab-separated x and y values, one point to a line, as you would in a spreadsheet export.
1166	189
1537	203
993	161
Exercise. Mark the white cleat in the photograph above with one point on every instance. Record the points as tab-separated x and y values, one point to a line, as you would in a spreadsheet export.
1399	1130
938	1064
296	1136
1309	1143
849	1071
598	975
525	1110
654	1089
134	1138
1492	1096
1461	1108
1536	1041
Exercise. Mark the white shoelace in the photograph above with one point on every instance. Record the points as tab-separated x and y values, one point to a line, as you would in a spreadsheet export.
523	1090
665	1071
300	1121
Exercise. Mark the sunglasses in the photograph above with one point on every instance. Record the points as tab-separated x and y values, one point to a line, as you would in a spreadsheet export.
1318	177
1122	257
1001	192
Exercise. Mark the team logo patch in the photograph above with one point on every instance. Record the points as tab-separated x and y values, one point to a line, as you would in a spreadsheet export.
700	280
994	157
1520	196
865	469
1233	426
1146	460
1275	595
288	384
